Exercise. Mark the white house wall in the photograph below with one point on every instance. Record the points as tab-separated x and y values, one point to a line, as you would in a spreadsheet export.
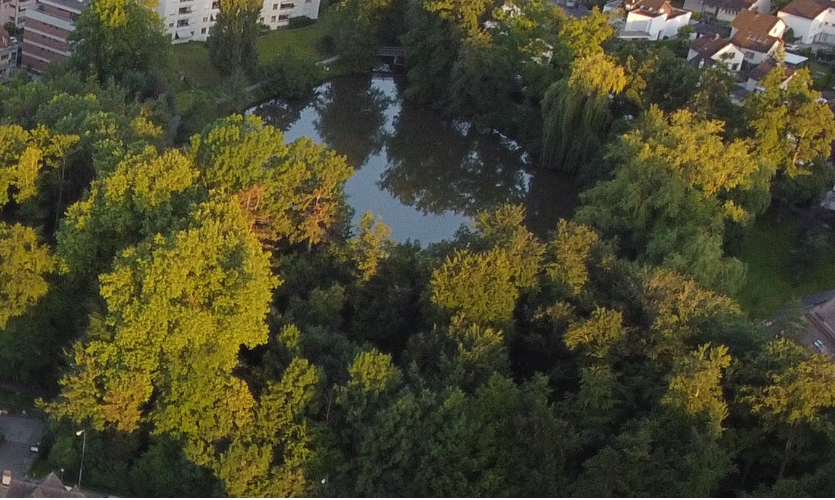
807	29
673	25
277	13
187	20
736	57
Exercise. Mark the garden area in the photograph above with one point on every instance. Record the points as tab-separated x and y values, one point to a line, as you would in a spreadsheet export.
191	60
783	265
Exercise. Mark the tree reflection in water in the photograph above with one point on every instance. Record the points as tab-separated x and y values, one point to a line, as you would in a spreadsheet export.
446	171
439	166
352	117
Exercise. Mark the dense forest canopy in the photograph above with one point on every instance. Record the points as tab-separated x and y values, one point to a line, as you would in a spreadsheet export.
207	313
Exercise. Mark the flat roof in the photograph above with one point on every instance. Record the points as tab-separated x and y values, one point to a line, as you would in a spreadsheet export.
795	59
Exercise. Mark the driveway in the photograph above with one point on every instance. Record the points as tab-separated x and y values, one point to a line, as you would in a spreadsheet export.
20	433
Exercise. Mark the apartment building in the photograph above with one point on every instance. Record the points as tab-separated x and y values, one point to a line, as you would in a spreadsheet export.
277	13
187	20
9	48
48	24
12	11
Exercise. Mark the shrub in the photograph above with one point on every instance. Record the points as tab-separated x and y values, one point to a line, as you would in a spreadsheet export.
290	76
300	22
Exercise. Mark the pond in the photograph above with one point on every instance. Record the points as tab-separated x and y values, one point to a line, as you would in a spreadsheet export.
423	175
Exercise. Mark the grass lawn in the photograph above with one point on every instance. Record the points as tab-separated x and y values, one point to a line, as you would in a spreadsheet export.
772	279
303	41
40	469
191	59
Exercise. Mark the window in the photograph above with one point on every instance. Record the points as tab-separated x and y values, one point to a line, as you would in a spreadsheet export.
272	19
203	31
215	5
287	6
182	22
205	19
749	54
275	6
735	67
284	17
184	10
170	25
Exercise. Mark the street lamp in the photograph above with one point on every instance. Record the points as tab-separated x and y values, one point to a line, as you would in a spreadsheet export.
83	449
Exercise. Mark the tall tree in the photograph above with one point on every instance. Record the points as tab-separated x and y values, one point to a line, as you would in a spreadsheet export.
672	194
123	40
791	126
179	307
232	39
576	112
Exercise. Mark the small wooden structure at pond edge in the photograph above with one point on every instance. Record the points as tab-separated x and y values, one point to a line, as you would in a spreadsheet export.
398	54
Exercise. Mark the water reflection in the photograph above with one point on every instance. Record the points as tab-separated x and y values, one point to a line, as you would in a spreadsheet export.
420	173
352	117
423	175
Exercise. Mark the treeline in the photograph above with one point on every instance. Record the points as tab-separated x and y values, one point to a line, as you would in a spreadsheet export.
211	318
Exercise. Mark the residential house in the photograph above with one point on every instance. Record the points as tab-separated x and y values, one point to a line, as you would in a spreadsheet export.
758	35
710	30
48	24
653	20
811	20
50	487
726	10
759	73
715	50
187	20
9	48
12	11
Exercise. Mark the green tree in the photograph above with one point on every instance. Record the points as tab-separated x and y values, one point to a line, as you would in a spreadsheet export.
791	126
360	30
576	113
24	262
179	307
466	14
123	40
797	394
231	40
290	192
675	216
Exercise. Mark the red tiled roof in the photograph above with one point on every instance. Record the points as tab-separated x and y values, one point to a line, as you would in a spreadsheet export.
762	70
752	30
808	9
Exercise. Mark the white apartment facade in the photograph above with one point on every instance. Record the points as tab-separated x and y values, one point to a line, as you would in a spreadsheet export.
13	11
811	20
187	20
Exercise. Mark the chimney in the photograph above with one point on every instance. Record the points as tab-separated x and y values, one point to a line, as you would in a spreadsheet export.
7	477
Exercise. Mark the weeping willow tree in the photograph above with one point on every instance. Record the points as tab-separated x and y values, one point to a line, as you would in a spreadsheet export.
575	112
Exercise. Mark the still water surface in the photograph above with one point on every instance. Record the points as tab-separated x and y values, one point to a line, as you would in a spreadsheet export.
424	175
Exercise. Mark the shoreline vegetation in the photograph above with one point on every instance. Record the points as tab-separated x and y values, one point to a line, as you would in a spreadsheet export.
770	249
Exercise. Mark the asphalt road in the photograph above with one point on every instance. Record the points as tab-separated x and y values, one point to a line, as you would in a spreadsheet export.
21	433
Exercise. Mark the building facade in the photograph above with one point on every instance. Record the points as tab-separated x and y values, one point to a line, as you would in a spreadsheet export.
9	48
187	20
12	11
653	20
726	10
813	21
48	24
